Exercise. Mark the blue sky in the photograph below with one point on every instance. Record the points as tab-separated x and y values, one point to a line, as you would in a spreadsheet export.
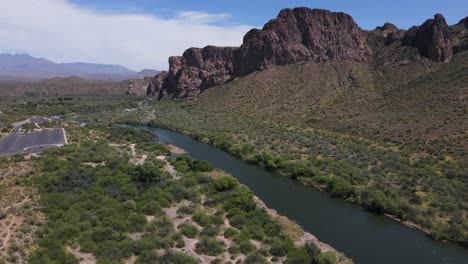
367	13
144	33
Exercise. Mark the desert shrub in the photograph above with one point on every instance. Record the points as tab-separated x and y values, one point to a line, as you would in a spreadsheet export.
148	174
51	251
210	231
202	219
181	166
188	230
230	232
238	220
225	183
280	247
246	247
255	259
185	210
151	208
209	246
173	257
137	222
201	165
326	258
298	256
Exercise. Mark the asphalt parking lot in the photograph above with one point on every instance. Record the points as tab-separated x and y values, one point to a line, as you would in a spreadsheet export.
32	142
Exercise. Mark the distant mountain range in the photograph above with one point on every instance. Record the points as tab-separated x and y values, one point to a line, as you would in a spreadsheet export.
27	68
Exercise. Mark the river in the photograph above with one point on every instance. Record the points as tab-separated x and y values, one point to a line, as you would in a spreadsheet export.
365	237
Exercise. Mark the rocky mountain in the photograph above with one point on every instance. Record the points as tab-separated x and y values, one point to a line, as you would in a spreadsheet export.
316	68
26	67
303	35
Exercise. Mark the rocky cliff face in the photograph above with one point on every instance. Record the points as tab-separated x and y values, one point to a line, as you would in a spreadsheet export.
299	35
296	36
433	39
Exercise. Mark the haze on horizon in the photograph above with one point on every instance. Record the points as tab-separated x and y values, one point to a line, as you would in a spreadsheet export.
143	34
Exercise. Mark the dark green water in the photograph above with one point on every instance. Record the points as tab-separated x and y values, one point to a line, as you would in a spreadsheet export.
365	237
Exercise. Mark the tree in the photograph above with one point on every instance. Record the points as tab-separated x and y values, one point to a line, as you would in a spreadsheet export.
298	256
225	183
209	246
147	173
202	165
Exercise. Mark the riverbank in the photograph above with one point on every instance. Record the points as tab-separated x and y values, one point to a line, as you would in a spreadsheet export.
410	224
291	229
382	179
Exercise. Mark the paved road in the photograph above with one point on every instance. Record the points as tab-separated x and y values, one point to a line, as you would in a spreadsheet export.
32	142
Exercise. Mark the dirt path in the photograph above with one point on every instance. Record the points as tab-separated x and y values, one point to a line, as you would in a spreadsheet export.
6	228
168	167
20	203
9	227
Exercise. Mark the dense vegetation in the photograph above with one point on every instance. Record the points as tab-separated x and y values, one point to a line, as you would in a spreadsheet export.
430	191
98	202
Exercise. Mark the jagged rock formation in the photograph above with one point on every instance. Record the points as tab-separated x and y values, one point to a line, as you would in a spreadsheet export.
297	36
433	39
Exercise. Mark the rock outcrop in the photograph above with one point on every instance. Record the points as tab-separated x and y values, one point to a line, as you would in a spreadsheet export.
296	36
299	35
433	39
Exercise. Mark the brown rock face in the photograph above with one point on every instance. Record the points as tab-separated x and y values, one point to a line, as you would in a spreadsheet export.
201	69
299	35
433	39
296	36
155	87
197	70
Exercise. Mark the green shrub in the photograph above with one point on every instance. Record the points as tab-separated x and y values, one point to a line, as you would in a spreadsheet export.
298	256
173	257
209	246
225	183
202	219
255	259
246	247
151	208
202	165
185	210
280	247
137	222
230	232
188	230
326	258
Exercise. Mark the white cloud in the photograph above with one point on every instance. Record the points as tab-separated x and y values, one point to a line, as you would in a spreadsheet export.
202	17
63	32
